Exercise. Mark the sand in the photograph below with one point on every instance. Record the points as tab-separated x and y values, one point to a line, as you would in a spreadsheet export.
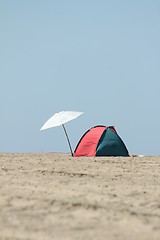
47	196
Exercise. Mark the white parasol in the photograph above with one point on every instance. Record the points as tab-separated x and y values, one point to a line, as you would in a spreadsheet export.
59	119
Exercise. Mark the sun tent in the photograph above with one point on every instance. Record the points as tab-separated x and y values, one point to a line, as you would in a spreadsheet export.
101	141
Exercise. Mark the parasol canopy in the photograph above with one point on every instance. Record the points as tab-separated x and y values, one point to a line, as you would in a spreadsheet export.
60	118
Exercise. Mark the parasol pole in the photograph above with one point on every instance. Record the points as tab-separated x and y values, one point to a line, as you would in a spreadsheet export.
67	139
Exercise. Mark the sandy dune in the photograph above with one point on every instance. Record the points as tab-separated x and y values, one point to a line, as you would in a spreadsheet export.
47	196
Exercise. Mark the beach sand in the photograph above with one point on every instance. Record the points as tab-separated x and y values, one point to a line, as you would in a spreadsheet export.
46	196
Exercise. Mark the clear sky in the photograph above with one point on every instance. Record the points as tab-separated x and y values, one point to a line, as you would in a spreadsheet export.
100	57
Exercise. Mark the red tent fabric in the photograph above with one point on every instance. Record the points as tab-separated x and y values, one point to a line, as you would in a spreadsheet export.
89	143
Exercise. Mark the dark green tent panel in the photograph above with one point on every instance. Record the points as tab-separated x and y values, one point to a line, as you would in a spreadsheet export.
110	144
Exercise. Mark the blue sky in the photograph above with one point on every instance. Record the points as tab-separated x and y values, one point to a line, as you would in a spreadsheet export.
100	57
